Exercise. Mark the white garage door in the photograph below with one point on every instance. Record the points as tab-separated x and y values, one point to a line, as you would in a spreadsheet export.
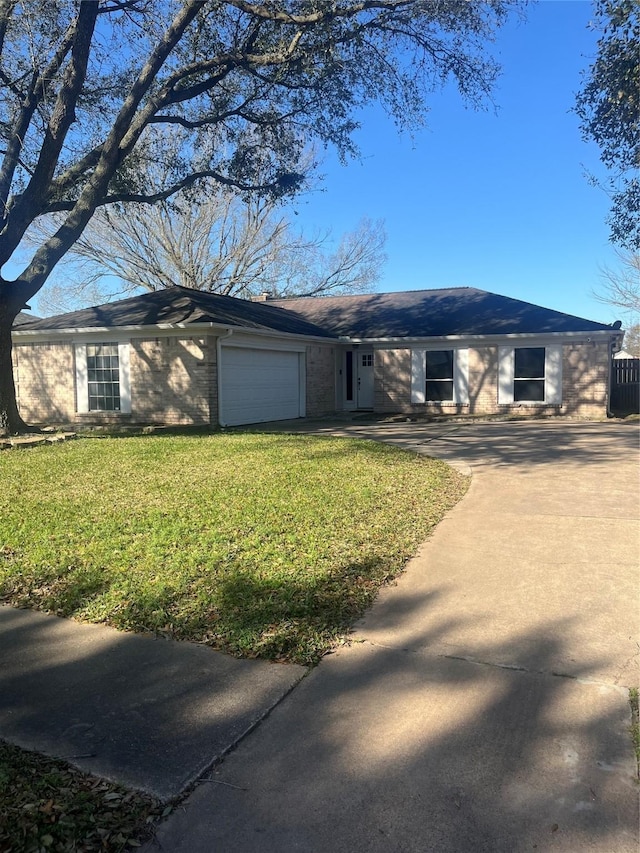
259	385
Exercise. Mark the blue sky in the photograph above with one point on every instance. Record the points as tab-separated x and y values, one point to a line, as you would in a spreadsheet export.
498	199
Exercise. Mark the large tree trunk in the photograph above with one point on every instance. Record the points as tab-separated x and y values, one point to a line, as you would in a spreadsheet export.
10	305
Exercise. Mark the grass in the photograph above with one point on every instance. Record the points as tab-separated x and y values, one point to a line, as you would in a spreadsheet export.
261	545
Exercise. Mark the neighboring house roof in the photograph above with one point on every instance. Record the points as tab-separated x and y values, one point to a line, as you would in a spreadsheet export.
432	313
623	354
23	318
181	306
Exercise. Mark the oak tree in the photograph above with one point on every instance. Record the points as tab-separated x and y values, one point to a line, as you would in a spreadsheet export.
609	109
86	85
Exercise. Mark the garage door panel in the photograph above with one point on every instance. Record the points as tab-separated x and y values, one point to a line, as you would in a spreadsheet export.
259	385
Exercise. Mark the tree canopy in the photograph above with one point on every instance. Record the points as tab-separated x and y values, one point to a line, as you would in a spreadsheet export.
209	239
621	287
609	108
85	88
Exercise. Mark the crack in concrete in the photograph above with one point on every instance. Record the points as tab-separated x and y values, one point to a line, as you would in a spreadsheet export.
505	666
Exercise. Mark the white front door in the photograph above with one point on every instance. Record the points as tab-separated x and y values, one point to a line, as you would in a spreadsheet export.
364	382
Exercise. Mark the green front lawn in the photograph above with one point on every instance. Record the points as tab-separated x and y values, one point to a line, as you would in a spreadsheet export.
258	544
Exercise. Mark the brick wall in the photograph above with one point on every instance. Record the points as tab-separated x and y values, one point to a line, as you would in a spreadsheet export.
44	375
321	380
585	379
173	381
585	372
392	380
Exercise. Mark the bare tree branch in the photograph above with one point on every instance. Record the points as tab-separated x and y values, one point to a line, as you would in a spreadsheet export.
213	241
621	287
248	84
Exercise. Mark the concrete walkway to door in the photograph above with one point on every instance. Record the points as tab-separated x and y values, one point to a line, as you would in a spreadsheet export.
483	705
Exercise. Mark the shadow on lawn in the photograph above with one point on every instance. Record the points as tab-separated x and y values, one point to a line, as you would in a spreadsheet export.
239	611
295	618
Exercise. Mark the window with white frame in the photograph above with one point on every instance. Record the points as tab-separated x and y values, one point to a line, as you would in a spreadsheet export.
440	376
102	377
530	375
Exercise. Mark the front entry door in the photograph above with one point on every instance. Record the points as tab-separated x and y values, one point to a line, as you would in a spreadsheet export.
364	378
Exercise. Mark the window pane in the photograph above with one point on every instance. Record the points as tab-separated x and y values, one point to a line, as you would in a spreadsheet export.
529	363
439	390
531	390
440	364
103	374
349	371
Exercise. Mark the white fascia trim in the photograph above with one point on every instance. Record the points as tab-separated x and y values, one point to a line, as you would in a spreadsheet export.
554	337
121	333
260	342
118	333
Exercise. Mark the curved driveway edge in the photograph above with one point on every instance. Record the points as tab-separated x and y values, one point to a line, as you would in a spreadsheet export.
544	549
483	705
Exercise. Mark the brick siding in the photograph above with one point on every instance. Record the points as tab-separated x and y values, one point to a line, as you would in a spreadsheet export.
173	381
321	380
44	374
585	379
585	376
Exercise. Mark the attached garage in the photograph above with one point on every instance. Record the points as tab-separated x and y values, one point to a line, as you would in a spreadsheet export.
259	385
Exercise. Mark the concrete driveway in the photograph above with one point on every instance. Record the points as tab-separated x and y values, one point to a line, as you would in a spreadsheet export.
483	705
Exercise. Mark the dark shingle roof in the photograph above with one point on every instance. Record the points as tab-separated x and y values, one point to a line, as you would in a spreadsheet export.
181	305
432	313
23	318
409	314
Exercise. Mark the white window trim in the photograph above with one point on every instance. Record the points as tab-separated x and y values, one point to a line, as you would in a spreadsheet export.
552	376
82	382
460	377
125	377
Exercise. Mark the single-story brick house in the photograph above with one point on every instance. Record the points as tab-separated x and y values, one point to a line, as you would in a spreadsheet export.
180	356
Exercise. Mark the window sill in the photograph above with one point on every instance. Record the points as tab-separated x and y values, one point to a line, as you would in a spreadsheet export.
102	417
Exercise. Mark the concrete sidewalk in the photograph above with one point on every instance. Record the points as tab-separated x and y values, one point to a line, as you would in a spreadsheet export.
149	713
483	705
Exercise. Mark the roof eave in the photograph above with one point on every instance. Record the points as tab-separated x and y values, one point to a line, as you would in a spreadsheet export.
492	338
165	328
208	327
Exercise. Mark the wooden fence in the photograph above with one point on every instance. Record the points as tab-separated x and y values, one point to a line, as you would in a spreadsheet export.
625	386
